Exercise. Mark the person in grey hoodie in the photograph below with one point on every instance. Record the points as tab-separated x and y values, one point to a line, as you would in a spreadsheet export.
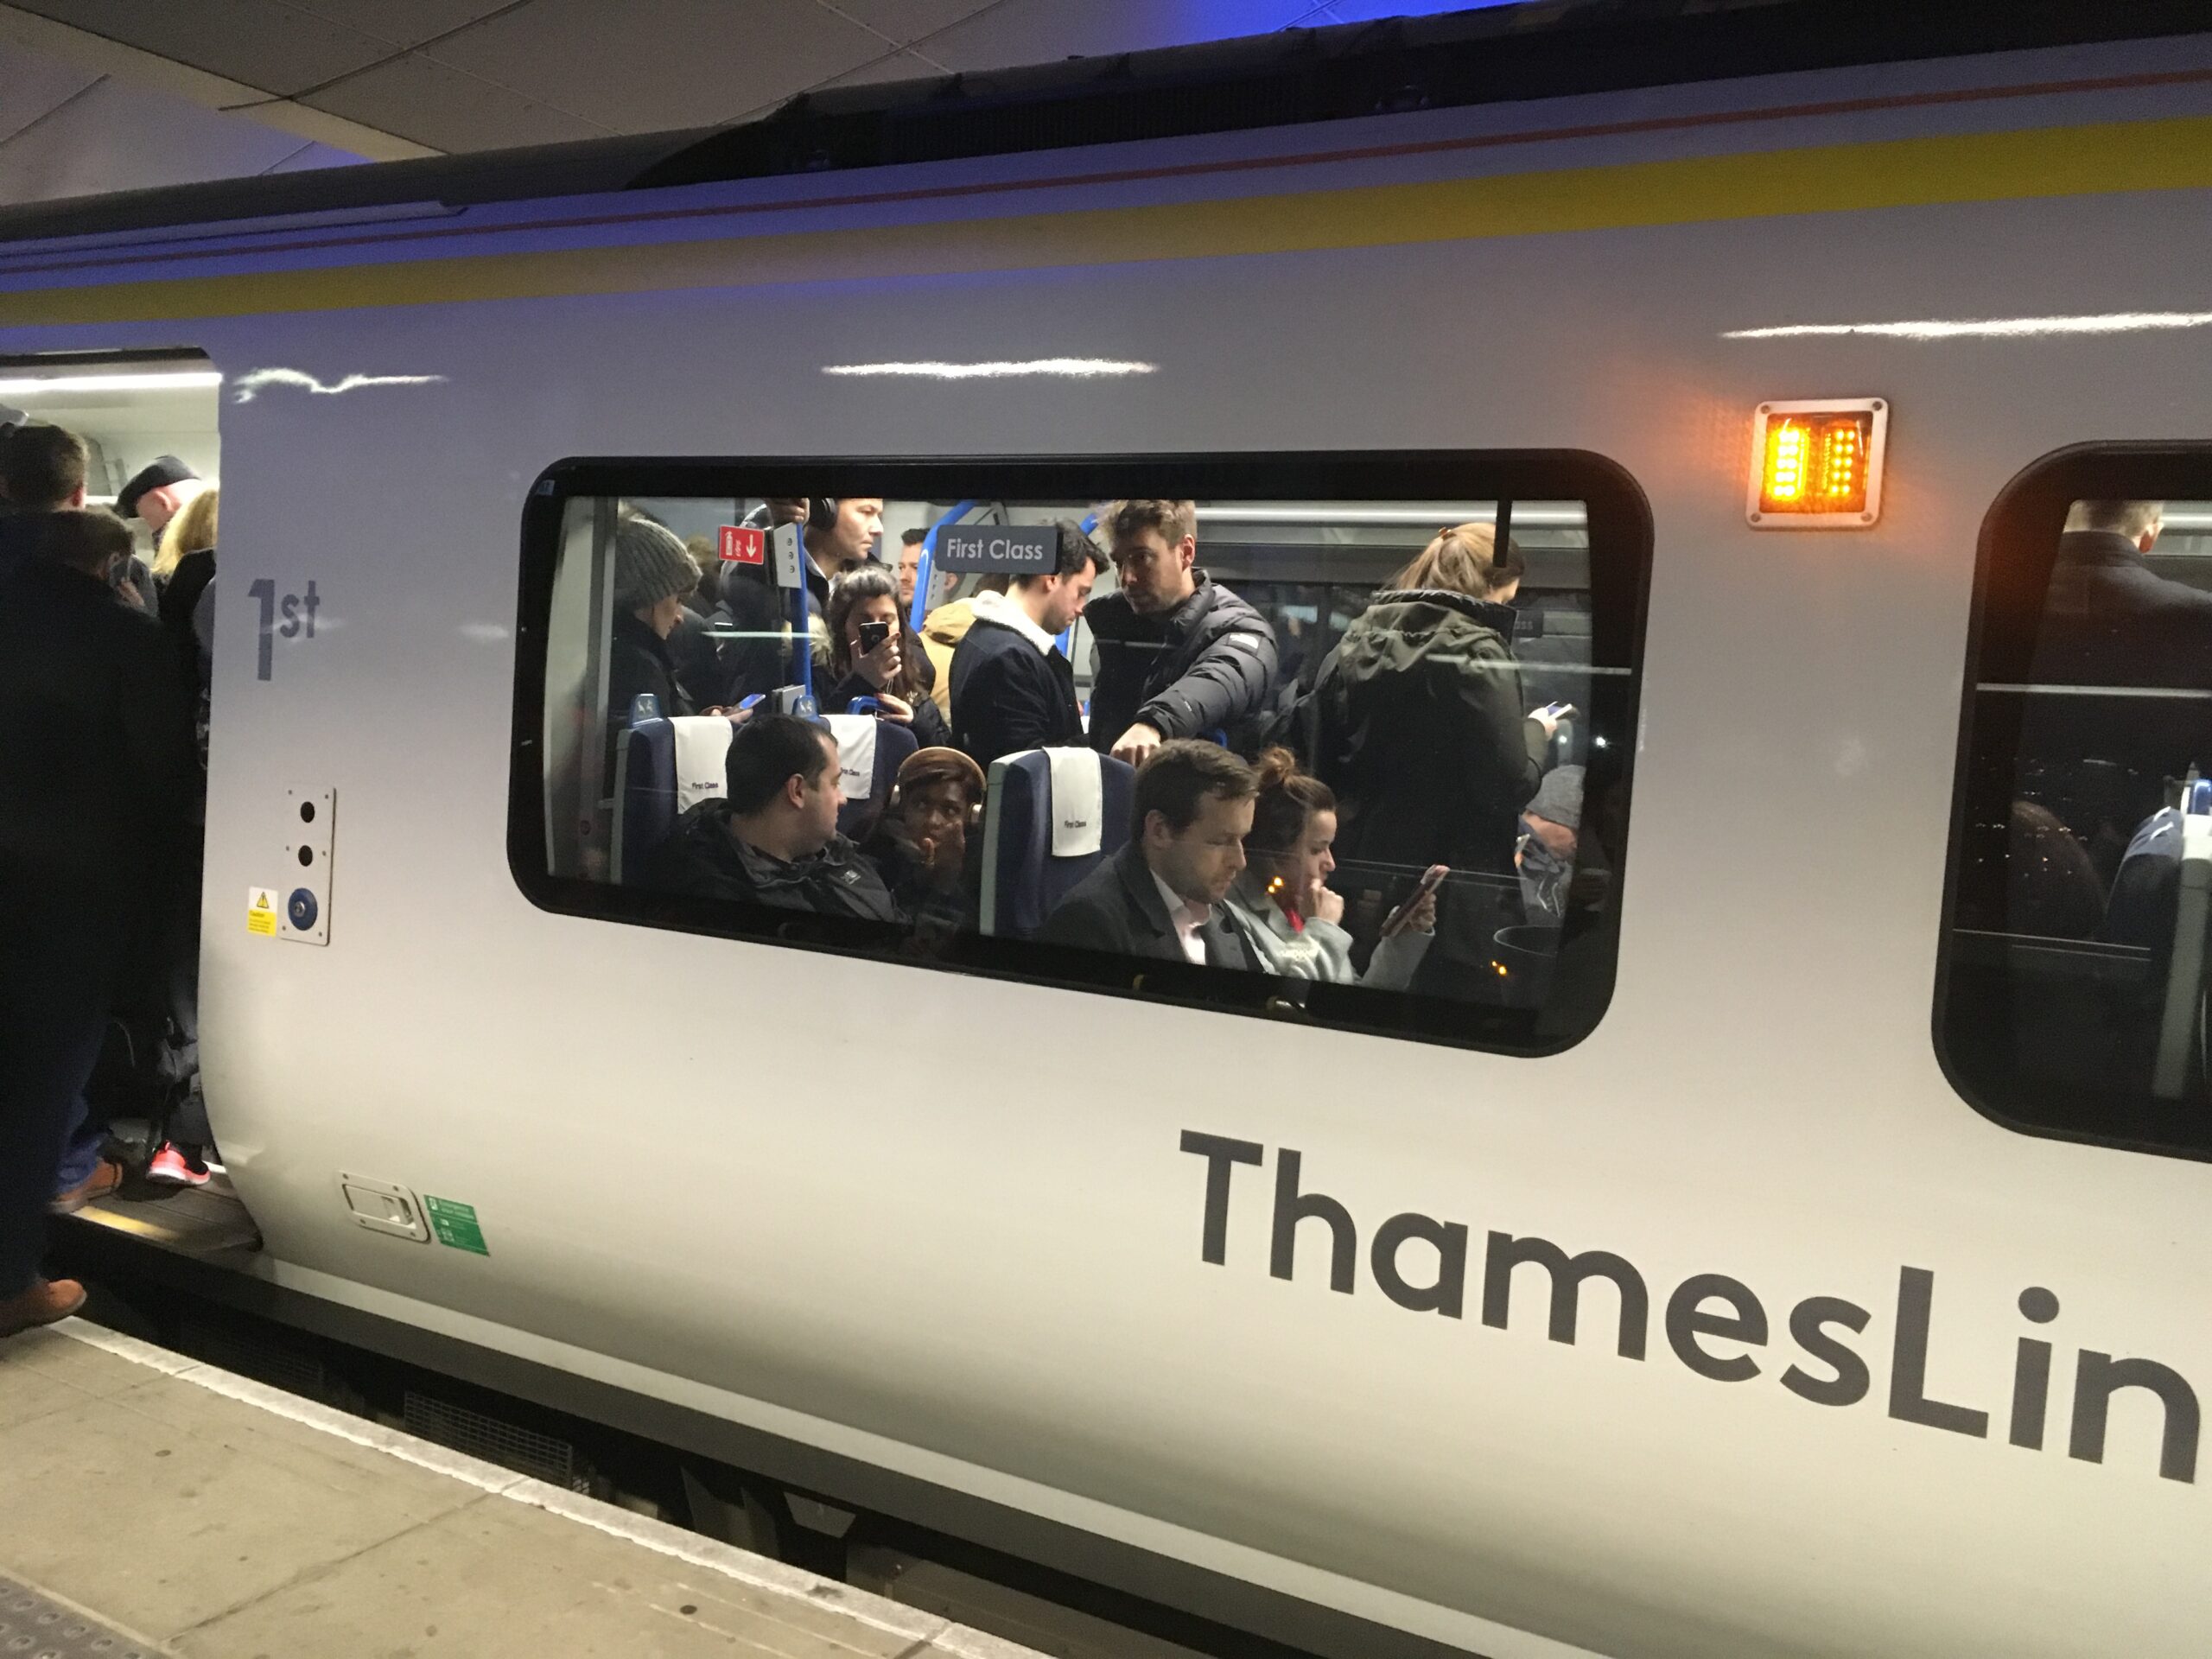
1281	901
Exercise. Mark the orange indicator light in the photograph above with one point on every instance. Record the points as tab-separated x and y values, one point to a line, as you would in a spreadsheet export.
1818	464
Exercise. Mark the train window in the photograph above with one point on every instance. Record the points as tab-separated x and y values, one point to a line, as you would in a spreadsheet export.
2072	996
690	727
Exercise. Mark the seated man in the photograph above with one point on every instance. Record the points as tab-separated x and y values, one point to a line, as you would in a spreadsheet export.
1160	895
773	840
1012	688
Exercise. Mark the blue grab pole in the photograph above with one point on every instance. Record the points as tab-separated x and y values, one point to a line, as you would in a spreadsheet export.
929	562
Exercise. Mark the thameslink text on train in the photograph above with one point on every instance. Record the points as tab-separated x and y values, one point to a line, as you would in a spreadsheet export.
1709	1320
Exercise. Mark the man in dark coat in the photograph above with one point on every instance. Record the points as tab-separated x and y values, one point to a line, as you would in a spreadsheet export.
1178	655
98	772
1160	895
773	840
1012	688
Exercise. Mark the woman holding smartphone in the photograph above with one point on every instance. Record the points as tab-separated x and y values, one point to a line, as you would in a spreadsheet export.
873	653
1283	903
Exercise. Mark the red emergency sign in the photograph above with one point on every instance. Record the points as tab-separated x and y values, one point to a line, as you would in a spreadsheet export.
743	544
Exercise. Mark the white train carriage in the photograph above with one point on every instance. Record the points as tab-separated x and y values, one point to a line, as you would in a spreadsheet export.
1813	1264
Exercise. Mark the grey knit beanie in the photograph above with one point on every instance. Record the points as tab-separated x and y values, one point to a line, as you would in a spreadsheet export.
649	564
1559	798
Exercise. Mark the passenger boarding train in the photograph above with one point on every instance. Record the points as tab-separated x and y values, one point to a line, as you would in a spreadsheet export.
1834	1282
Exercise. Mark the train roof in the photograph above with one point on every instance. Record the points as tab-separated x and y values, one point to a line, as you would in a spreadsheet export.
1540	49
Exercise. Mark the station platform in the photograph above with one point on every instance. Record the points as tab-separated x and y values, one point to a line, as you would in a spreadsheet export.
153	1505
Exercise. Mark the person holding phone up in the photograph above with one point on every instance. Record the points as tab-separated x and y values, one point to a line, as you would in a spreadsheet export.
873	653
1283	903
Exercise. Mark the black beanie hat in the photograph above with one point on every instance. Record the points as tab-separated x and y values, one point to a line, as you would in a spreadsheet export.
162	471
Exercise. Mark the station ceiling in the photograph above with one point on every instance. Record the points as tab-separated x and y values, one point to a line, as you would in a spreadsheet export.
117	94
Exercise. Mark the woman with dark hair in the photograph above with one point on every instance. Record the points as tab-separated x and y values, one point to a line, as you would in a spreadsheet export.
1282	899
874	653
1424	734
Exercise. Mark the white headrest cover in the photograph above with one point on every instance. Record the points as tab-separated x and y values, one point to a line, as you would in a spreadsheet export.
702	750
1078	796
856	735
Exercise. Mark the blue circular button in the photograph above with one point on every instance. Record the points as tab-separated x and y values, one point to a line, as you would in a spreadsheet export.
301	909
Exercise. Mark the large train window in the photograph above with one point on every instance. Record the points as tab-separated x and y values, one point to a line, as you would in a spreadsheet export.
1030	719
2072	996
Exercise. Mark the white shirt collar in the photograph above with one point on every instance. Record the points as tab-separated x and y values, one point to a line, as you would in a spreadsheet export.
1005	610
1186	917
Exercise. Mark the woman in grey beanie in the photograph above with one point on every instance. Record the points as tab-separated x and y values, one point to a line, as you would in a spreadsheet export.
653	573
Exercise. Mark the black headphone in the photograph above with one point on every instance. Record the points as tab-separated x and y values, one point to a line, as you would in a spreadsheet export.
822	514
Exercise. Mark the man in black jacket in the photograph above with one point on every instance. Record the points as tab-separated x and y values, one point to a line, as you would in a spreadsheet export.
773	840
1012	688
98	772
1160	895
1178	655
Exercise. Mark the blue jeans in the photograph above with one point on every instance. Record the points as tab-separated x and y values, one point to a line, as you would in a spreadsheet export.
81	1143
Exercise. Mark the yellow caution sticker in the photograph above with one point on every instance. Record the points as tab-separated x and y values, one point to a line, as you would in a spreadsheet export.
261	910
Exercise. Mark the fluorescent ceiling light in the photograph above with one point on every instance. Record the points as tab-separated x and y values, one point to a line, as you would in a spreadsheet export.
1077	368
112	383
2116	322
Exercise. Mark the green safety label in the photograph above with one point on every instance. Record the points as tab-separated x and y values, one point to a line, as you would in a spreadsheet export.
455	1224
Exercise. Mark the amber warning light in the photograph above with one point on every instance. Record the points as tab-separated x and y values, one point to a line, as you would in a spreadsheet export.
1818	464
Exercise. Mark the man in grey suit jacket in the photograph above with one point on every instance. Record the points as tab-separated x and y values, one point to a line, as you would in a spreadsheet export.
1160	895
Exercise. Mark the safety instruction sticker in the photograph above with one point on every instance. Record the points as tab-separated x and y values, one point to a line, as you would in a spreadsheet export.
261	911
455	1224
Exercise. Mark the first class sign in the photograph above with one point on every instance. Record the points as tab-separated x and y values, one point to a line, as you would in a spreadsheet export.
998	549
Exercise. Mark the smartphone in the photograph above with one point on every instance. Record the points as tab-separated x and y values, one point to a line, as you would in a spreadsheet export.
1558	710
872	634
1431	878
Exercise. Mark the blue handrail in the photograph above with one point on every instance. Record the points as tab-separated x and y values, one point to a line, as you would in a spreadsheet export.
929	563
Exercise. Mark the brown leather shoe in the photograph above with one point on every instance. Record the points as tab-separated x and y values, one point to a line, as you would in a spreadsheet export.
105	1179
47	1302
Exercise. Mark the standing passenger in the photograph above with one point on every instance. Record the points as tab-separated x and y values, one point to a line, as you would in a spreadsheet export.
892	671
943	630
1012	688
1178	655
1160	896
653	573
1423	734
158	491
909	567
96	777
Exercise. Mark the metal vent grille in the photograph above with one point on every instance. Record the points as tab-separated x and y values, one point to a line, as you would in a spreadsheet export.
275	1363
37	1628
543	1456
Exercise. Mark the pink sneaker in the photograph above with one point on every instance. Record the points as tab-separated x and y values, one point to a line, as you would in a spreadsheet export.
171	1167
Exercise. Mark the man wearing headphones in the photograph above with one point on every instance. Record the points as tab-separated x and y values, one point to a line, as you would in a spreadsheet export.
842	531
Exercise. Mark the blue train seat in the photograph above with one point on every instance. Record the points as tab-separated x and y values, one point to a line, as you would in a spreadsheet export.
869	754
663	768
1050	815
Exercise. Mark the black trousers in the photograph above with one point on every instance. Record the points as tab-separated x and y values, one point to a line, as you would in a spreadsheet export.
55	991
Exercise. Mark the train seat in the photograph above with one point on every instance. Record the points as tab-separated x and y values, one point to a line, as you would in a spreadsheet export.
870	751
663	768
1049	816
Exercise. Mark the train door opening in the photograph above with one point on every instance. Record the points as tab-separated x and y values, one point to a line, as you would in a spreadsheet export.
148	421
